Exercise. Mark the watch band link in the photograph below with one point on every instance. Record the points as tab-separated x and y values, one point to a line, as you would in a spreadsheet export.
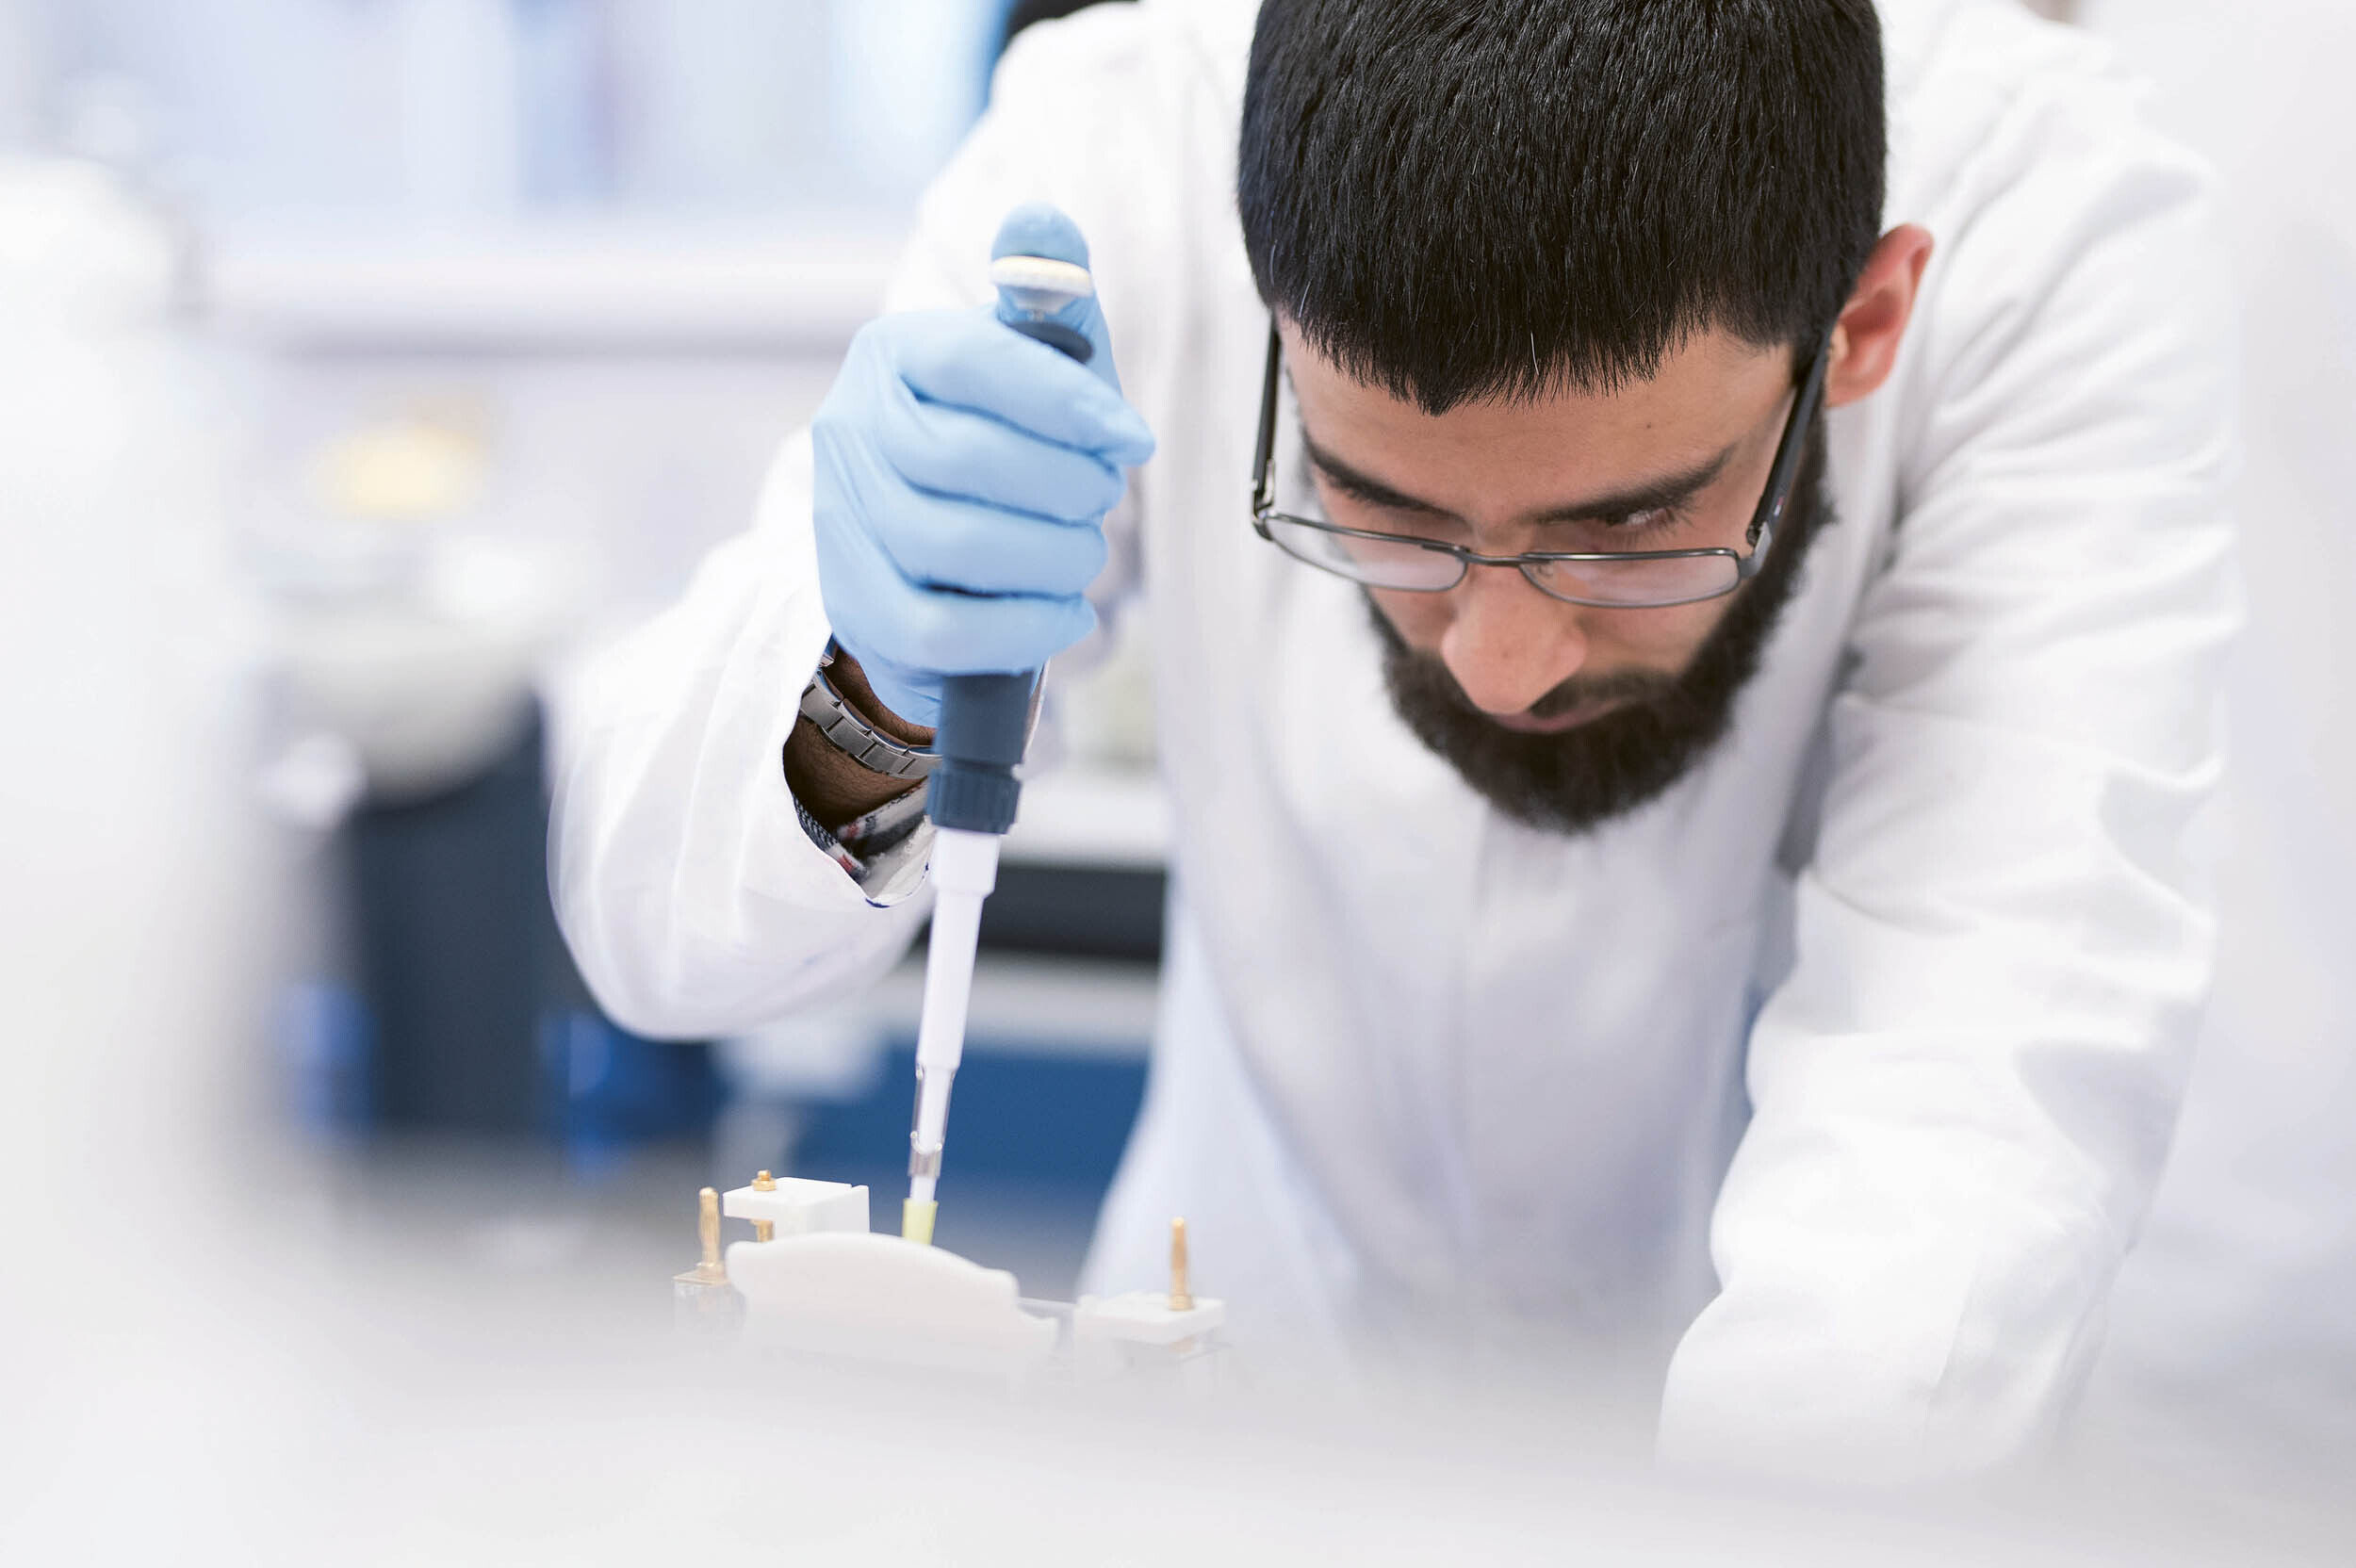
878	753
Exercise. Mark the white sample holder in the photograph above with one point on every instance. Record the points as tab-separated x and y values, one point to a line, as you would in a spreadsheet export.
795	1207
882	1298
818	1282
1140	1333
822	1283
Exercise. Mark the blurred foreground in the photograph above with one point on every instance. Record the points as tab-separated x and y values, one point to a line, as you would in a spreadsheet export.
260	1306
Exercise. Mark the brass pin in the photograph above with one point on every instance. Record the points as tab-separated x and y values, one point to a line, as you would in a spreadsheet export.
1181	1298
711	1271
708	1232
764	1229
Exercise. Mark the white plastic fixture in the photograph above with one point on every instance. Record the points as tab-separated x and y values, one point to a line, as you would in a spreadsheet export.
1144	1318
879	1297
799	1207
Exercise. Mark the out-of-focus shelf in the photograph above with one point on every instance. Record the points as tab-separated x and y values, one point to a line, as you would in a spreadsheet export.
1084	870
1057	1006
547	286
1092	817
1022	1004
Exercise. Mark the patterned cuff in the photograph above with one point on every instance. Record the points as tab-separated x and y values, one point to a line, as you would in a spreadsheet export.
884	851
885	826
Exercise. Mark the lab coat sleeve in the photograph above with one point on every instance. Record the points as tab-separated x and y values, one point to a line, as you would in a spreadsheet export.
691	899
1964	1090
693	902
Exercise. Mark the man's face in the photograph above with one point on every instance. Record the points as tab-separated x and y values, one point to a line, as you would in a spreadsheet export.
1564	714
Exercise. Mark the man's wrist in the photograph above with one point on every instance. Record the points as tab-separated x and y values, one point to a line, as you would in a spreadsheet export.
830	784
851	685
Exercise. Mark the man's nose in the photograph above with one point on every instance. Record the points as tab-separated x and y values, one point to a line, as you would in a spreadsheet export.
1509	644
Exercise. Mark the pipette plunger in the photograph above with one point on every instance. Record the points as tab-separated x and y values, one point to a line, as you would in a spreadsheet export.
985	724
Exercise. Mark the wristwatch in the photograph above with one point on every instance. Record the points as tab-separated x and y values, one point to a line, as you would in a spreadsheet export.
853	736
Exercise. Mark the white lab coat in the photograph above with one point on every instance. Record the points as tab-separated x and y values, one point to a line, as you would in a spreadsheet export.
2232	1327
1844	1070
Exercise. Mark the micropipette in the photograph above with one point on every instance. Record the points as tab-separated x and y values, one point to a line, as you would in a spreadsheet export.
985	722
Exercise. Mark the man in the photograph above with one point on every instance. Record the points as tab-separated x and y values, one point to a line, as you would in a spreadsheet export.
1767	952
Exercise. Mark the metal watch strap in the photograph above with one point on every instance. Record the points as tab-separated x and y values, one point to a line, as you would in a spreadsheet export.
853	736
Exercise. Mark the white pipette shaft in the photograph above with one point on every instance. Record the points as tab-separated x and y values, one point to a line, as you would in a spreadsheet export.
964	870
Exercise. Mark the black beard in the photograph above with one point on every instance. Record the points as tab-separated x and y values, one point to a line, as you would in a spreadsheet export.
1612	764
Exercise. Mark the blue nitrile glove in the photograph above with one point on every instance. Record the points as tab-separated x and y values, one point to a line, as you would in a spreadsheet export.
963	475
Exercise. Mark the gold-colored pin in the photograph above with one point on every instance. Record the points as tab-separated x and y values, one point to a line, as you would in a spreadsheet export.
711	1271
764	1229
1181	1297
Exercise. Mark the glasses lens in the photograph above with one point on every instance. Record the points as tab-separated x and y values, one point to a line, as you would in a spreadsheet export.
1636	583
1377	563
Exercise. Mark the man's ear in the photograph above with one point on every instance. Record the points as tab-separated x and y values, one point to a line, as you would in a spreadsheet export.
1874	322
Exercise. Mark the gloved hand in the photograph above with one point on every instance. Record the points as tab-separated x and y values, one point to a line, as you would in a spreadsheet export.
963	475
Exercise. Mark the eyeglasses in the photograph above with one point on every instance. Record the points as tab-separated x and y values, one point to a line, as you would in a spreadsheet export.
1609	580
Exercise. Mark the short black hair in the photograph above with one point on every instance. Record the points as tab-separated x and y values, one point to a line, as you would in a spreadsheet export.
1459	199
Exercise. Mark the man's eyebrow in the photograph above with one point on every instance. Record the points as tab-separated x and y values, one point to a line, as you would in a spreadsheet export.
1669	490
1365	487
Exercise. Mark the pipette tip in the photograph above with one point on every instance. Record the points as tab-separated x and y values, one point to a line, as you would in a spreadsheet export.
1181	1293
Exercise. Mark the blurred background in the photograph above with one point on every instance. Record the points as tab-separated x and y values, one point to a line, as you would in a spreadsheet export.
497	310
363	363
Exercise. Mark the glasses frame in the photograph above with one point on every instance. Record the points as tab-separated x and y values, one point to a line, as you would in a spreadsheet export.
1765	517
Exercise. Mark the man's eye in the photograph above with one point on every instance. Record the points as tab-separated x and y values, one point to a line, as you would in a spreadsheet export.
1653	519
1353	510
